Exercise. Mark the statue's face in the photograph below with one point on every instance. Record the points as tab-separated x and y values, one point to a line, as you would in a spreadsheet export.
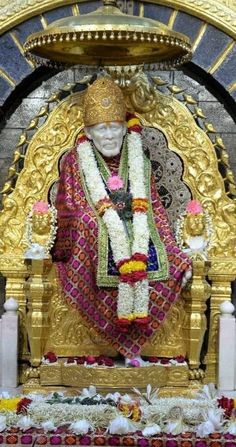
107	137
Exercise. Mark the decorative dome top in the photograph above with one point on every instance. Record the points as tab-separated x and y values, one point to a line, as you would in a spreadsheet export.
108	37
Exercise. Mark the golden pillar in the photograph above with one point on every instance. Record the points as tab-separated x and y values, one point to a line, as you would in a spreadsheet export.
38	292
195	298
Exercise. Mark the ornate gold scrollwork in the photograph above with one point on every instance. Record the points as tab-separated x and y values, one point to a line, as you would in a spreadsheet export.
40	171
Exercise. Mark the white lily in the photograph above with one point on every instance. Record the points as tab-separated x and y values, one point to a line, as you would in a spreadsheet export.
121	426
126	399
116	396
208	391
211	425
151	430
80	427
150	396
175	427
3	423
25	422
89	392
48	425
231	427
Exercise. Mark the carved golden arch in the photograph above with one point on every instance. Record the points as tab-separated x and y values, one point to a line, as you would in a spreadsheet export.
59	131
192	144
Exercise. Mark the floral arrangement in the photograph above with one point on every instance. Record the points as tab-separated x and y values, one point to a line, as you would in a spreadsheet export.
131	259
41	208
145	413
51	358
90	360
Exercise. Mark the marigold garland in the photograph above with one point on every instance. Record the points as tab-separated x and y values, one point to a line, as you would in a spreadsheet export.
103	204
140	205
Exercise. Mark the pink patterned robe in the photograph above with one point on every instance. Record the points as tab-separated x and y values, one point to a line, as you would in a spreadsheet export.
76	252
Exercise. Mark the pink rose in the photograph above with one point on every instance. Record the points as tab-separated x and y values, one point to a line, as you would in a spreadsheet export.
115	182
194	207
90	359
41	207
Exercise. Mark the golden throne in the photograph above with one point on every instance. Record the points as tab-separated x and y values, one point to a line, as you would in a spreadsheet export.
47	323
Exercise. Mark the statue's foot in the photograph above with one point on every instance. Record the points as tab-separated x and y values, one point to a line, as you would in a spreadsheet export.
135	362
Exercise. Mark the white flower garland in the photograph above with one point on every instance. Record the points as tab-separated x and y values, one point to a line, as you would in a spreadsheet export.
132	300
189	415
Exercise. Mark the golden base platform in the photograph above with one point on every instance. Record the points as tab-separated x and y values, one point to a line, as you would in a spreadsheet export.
171	379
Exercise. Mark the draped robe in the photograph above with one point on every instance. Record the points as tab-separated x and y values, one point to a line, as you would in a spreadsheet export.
76	253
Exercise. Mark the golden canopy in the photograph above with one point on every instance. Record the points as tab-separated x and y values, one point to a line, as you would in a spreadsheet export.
108	37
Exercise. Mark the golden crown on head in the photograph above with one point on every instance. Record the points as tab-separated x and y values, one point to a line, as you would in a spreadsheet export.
103	102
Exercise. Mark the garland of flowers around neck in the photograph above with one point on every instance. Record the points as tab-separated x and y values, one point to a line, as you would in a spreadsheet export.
130	258
42	208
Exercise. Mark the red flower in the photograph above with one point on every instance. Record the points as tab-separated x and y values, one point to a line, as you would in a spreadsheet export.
180	359
153	359
108	362
227	404
70	360
129	116
164	361
23	405
133	277
81	139
90	359
139	257
136	128
80	360
103	360
51	357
